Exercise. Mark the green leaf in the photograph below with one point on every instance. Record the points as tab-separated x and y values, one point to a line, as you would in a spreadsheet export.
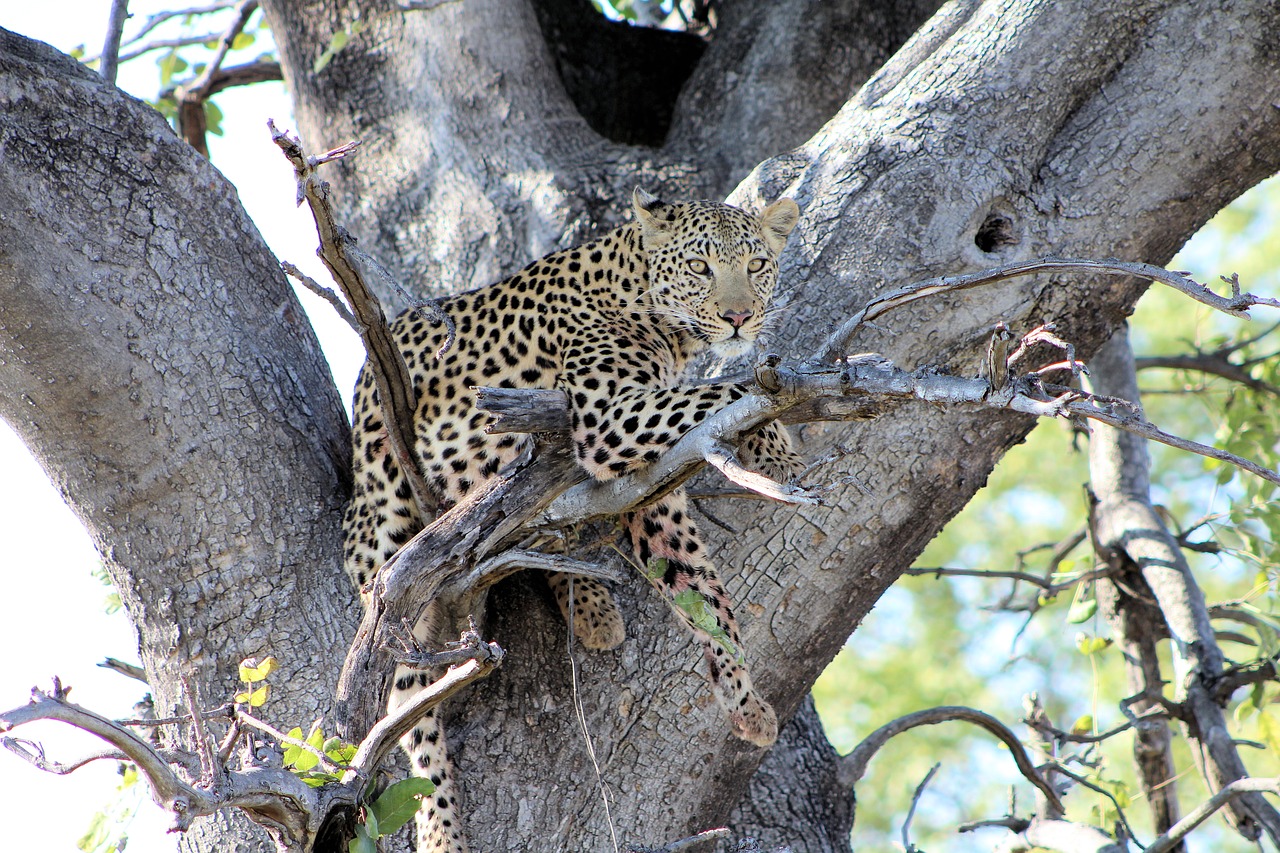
371	825
291	751
1083	725
1082	611
305	761
399	802
656	569
362	843
1089	644
212	118
258	698
95	834
251	670
241	41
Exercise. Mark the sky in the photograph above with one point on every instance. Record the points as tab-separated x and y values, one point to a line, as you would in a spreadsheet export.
42	545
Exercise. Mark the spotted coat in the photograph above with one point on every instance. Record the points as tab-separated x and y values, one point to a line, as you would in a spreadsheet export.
613	324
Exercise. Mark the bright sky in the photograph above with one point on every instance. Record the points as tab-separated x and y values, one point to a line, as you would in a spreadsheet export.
41	540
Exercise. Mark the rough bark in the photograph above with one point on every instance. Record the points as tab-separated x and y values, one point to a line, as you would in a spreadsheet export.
1002	130
156	362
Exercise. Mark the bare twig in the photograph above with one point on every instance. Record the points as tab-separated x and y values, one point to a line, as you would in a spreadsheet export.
127	669
1201	813
382	738
111	48
911	812
192	96
1081	780
323	292
854	765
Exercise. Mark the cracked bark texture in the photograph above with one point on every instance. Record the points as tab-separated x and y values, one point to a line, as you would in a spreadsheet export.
156	362
999	131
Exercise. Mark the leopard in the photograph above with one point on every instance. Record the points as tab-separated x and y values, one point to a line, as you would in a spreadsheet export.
614	324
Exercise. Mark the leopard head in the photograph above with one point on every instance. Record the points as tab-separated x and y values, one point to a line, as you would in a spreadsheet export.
713	267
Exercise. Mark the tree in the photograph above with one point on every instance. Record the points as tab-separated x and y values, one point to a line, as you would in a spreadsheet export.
205	450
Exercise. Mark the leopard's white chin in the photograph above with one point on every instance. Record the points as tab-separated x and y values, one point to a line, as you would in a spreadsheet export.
733	347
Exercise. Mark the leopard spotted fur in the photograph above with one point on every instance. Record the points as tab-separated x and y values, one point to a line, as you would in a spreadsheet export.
613	324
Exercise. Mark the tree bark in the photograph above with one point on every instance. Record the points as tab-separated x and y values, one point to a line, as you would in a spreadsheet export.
1001	130
154	359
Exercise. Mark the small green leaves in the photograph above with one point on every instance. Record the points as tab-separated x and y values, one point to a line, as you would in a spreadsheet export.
1083	725
656	569
251	670
1089	644
254	698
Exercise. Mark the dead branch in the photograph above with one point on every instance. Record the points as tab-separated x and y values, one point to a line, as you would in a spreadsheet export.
854	765
396	393
1129	532
1212	363
335	301
127	669
276	798
384	736
1240	787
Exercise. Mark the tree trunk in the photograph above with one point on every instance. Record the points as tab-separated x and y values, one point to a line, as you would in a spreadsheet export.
1000	131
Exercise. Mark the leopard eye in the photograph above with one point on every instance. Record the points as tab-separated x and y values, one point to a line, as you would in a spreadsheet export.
699	267
756	265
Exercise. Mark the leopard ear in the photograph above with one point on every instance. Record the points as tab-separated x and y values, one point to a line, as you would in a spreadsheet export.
653	215
777	220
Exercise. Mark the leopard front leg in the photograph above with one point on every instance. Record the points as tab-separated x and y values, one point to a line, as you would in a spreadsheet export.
439	821
667	544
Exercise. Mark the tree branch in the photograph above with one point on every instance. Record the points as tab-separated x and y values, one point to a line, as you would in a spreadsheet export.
396	393
1128	530
1237	305
854	765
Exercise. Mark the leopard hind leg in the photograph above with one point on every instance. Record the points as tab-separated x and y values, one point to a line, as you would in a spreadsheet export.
672	554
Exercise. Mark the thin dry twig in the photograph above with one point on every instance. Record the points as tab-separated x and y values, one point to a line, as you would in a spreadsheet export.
334	300
911	812
1237	305
111	48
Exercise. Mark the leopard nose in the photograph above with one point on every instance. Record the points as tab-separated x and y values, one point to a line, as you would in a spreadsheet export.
737	318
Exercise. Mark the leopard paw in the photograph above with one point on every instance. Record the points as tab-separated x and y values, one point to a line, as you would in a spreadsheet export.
597	624
755	721
599	629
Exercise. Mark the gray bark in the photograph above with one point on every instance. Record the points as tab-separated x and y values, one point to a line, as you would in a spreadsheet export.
156	362
1002	130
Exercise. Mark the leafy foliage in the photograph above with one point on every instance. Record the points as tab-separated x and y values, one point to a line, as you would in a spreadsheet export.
930	642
